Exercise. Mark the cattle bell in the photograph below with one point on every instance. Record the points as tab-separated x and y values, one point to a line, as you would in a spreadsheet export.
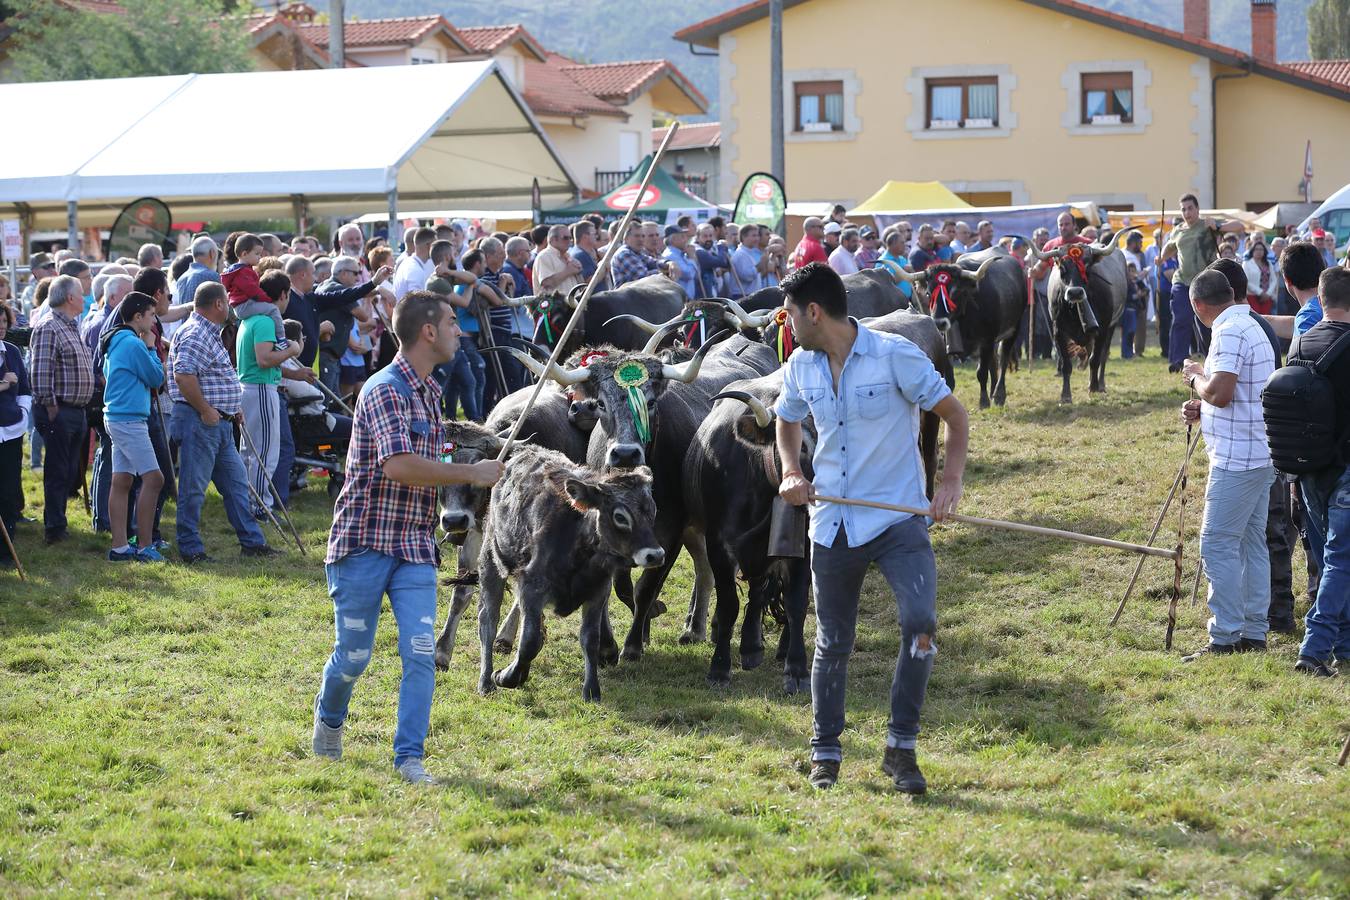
787	530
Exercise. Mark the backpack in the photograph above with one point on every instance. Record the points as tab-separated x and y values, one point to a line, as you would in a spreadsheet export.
1300	405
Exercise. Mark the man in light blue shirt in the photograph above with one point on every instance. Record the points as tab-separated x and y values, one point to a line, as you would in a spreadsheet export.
686	266
864	390
747	265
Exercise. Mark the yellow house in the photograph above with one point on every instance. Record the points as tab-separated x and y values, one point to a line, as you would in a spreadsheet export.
1025	101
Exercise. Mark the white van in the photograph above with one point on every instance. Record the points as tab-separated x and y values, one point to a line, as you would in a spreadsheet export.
1334	214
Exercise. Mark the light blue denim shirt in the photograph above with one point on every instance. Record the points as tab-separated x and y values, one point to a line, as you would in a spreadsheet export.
867	443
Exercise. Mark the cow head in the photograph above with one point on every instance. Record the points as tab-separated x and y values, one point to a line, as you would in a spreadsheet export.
1074	261
778	334
620	506
756	431
626	388
699	320
552	312
463	506
947	289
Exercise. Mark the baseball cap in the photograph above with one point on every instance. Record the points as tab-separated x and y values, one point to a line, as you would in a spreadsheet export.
868	231
833	228
1319	233
673	229
40	261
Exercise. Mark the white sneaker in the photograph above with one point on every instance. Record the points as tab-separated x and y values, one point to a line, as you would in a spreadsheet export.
327	740
411	771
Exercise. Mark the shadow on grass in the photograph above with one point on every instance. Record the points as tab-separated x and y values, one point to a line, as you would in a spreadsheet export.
1113	407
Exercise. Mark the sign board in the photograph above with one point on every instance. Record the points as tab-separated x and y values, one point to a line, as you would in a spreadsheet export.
13	242
761	202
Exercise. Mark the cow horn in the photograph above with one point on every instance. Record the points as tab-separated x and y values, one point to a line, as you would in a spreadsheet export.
1109	246
979	273
763	415
737	315
571	298
909	276
514	302
649	327
687	372
1043	256
660	334
565	377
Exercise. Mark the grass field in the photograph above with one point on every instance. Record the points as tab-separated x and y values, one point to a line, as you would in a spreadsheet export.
154	724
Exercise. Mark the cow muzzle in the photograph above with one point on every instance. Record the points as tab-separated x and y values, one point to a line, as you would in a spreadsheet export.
455	524
649	557
625	456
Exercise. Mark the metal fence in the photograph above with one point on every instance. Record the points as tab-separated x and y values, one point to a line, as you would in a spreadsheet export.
693	182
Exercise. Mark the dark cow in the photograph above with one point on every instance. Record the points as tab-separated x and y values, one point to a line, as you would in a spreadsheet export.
871	292
731	476
1087	298
984	295
561	531
655	298
700	320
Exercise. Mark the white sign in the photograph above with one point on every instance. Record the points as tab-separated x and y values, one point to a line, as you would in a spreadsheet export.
13	243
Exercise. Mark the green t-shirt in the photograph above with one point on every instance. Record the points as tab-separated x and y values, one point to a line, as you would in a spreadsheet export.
255	330
1197	247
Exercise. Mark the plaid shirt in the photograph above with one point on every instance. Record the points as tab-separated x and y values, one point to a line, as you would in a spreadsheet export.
196	349
62	369
1236	434
372	510
630	265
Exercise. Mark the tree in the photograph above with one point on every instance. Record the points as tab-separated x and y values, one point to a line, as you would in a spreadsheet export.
55	41
1329	29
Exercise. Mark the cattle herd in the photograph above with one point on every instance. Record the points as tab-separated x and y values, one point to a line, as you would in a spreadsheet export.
658	434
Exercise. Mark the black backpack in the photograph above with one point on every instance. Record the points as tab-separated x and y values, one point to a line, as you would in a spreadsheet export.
1300	406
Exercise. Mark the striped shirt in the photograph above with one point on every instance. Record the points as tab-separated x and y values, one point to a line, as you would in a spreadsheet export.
62	368
1235	435
396	413
196	349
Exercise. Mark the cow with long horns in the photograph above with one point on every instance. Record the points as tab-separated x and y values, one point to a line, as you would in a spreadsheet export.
655	298
1087	292
978	302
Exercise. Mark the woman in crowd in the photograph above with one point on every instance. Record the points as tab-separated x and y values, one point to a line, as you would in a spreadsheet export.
1261	276
16	401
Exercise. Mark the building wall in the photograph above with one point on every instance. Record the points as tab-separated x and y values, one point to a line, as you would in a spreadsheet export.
699	161
596	145
389	56
1040	153
1264	129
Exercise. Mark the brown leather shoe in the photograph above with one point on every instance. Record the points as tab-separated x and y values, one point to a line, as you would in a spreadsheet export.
824	773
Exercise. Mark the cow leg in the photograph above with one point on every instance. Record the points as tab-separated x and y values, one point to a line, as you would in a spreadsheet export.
1101	353
796	675
728	605
648	588
609	648
983	373
1005	357
752	627
1065	367
929	424
531	637
491	585
592	626
696	620
467	564
506	634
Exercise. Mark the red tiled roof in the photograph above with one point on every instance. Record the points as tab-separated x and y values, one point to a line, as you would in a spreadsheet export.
1337	70
491	38
706	32
693	136
551	91
380	32
621	82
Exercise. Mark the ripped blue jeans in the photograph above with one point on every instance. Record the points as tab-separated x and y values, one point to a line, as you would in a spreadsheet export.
357	583
904	555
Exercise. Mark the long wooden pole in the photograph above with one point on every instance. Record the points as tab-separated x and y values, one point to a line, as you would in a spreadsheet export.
597	278
13	554
1181	543
1010	526
1157	526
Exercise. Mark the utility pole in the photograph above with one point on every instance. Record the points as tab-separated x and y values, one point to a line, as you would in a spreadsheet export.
337	51
776	162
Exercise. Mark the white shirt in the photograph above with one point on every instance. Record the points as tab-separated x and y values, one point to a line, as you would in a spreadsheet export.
842	261
1235	435
412	275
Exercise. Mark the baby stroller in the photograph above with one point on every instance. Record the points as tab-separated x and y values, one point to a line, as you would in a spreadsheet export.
320	436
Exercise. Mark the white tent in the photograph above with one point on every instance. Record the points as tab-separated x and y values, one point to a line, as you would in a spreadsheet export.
212	147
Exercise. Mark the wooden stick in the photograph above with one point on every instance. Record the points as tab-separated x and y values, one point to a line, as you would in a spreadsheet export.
13	554
1181	539
600	272
1345	751
1195	585
1011	526
1157	526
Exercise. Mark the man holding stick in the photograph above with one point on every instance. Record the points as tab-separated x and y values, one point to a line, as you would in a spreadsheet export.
383	538
865	390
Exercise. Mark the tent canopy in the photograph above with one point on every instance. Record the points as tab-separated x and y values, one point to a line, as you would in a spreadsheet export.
663	196
904	196
454	131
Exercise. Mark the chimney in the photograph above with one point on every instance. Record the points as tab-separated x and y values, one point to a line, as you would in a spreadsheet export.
1263	30
1195	19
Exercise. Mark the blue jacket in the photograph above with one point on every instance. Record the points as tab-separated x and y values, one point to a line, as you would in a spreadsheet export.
131	371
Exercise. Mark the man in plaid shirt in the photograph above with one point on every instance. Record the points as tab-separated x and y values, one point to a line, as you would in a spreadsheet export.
206	393
630	262
1233	536
383	537
63	385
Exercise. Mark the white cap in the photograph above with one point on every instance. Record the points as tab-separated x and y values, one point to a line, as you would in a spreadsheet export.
833	228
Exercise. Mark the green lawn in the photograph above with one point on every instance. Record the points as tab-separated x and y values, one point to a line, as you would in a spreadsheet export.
154	724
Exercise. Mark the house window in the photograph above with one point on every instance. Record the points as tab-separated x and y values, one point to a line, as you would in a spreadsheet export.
424	58
819	105
1108	98
962	102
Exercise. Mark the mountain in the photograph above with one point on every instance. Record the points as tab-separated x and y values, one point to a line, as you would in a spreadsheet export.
608	30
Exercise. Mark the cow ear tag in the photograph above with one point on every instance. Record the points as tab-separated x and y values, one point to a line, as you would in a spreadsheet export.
447	451
631	376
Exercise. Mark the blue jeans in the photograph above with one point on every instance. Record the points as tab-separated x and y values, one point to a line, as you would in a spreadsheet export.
905	557
1326	502
35	445
100	483
1182	335
1233	547
207	454
468	377
1129	321
63	438
357	583
281	475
